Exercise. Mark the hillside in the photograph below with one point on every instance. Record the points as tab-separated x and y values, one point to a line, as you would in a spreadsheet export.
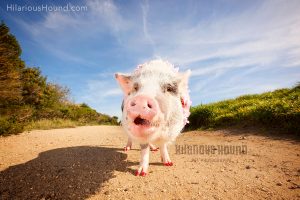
28	101
279	109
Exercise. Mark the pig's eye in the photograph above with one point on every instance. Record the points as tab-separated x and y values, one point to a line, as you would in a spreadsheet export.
136	87
171	88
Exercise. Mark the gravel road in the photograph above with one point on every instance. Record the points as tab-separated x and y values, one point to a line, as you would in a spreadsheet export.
89	163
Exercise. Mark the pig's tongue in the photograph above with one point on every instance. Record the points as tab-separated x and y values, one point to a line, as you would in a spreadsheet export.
140	121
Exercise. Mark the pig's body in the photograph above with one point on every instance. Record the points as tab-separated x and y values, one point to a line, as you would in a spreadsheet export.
156	107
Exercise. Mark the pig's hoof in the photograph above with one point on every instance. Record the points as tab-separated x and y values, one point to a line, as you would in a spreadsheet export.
154	149
127	148
168	164
142	173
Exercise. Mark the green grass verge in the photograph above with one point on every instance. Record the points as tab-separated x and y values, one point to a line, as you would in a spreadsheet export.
278	109
45	124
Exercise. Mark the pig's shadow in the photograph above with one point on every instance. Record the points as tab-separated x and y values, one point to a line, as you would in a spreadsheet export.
65	173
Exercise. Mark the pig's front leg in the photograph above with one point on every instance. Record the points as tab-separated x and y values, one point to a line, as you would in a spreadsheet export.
144	164
153	148
128	145
165	158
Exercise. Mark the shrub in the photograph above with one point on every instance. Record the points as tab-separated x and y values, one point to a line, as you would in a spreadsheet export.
200	116
10	126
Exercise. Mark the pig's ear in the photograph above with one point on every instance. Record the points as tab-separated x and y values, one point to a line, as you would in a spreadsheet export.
184	80
124	81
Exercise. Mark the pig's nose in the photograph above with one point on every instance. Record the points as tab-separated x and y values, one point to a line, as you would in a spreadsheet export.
142	105
142	102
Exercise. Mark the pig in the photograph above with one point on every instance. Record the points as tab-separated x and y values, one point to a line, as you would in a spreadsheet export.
155	107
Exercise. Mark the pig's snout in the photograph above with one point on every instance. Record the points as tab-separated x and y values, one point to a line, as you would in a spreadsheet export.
142	106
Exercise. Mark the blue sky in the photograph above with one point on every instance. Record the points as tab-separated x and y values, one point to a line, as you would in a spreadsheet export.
233	47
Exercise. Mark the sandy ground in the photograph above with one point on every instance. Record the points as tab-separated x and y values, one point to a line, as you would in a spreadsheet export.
89	163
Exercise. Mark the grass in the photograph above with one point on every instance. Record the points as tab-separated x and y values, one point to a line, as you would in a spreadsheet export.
279	109
45	124
8	126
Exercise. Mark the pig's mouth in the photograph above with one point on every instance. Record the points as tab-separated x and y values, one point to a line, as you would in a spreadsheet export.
142	127
141	122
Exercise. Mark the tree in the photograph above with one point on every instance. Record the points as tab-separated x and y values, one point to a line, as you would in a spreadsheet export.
11	67
34	85
55	95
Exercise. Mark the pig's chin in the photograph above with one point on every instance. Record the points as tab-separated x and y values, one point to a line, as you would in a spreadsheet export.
141	127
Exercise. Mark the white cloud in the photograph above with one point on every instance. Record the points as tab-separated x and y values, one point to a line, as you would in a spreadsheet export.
145	10
222	93
99	89
112	92
108	13
103	95
57	32
272	28
293	58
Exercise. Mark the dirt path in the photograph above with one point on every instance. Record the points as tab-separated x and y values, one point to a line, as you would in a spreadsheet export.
88	163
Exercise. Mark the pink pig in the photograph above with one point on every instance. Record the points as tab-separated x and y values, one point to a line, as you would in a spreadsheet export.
155	107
